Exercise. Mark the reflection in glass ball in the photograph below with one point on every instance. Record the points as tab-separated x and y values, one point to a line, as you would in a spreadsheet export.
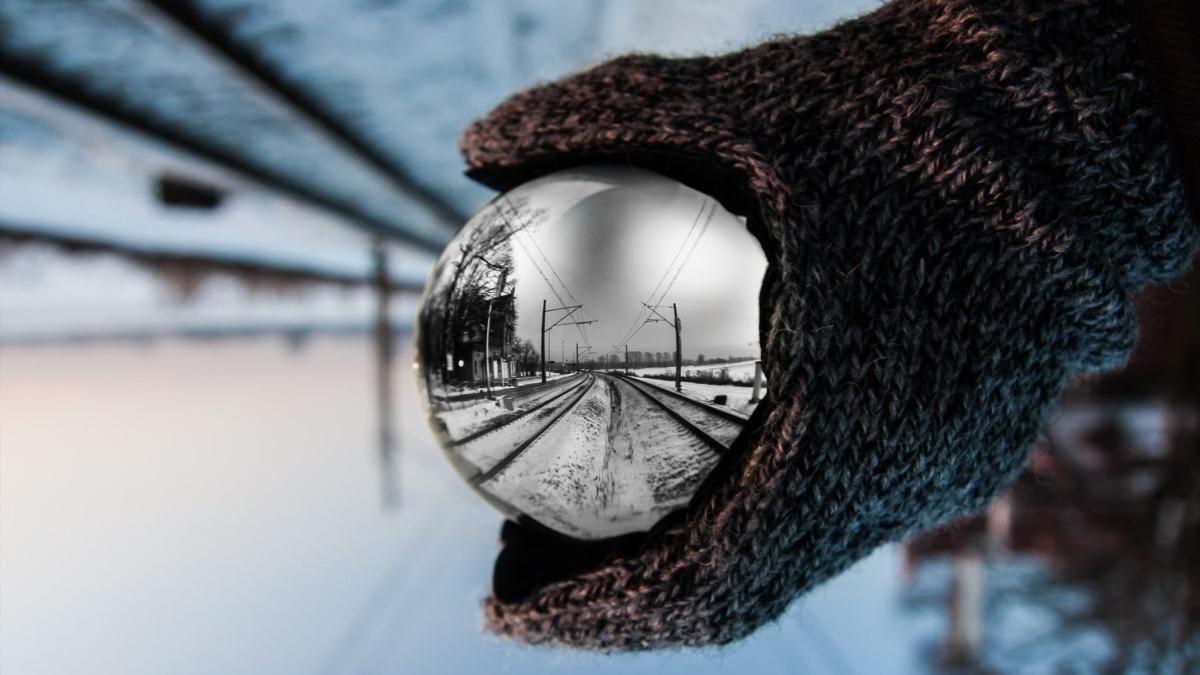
588	347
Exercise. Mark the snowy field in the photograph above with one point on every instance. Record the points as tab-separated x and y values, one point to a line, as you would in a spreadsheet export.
739	371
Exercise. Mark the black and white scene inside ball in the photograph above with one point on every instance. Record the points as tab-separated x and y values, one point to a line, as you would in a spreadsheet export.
588	346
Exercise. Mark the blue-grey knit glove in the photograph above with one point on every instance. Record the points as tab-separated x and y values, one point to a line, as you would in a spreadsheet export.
956	198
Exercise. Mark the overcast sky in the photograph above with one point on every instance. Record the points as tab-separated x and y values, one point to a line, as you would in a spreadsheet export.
612	242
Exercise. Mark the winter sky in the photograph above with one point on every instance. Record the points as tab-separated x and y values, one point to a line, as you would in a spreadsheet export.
615	236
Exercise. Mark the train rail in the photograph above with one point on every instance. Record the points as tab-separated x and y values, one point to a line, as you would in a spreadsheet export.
709	419
516	417
718	411
580	390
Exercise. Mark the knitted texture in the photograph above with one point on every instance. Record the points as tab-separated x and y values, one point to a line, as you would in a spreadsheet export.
956	198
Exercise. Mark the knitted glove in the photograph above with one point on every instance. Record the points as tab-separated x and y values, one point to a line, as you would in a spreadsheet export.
956	198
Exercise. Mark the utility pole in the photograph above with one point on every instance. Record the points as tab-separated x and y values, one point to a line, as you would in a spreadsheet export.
678	350
384	354
580	354
487	333
626	359
569	309
678	340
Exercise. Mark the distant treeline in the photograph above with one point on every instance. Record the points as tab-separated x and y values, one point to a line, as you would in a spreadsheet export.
720	376
702	360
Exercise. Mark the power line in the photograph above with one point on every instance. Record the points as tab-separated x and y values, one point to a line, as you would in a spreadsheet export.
638	322
695	243
637	319
639	329
542	253
541	273
537	267
533	240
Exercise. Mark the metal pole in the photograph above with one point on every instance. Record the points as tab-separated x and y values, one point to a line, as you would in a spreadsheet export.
577	357
487	335
678	350
757	381
487	361
964	630
626	359
383	382
543	341
504	357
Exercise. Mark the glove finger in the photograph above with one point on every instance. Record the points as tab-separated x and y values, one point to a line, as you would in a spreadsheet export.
659	113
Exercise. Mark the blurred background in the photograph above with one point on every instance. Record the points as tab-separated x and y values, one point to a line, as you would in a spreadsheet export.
215	216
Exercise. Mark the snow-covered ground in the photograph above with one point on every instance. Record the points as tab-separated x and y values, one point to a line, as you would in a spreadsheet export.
643	434
467	417
488	450
739	371
614	464
718	426
737	397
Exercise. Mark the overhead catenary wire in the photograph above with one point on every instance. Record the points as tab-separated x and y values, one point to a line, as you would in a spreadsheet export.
542	274
554	291
695	243
533	261
533	240
524	228
639	320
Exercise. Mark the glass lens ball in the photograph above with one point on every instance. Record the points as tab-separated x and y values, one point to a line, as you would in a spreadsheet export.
587	347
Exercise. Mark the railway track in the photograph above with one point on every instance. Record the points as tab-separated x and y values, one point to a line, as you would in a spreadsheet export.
577	393
718	411
717	427
510	419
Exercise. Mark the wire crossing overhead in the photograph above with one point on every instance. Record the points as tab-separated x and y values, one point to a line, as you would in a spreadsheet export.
523	227
695	242
533	240
639	319
570	311
678	326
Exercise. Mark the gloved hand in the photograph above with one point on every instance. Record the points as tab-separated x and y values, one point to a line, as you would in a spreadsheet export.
956	198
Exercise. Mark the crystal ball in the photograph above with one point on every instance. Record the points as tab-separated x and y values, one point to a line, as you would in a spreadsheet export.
587	347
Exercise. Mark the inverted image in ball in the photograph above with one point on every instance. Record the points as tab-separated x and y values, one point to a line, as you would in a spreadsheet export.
588	347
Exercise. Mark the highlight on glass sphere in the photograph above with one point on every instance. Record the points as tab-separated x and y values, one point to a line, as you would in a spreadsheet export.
588	347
